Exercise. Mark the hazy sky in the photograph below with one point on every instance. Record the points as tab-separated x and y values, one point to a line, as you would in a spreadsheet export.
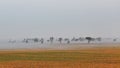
62	18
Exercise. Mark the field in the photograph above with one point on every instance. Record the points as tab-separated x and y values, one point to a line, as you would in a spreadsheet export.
108	57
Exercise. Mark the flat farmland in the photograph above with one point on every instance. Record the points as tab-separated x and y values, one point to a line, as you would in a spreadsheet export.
84	58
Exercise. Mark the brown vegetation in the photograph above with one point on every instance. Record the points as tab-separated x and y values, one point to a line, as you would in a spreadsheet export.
92	58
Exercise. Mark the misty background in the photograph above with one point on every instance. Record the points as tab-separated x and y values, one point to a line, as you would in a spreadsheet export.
59	18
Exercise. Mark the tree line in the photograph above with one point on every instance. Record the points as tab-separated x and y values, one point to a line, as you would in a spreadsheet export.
61	40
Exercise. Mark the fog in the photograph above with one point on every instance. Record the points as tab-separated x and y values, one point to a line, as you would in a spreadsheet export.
59	18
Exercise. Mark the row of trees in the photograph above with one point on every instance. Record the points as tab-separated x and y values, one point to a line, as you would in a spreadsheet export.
60	40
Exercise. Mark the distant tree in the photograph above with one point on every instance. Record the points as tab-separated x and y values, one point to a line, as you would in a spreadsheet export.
114	40
48	41
99	39
60	40
51	39
25	40
12	41
67	40
81	39
76	39
89	39
42	40
73	39
36	40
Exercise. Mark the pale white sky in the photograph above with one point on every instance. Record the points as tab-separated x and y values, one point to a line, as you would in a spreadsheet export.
59	18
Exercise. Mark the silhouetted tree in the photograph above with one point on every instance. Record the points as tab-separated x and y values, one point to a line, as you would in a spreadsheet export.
76	39
51	39
99	39
36	40
67	40
60	40
73	39
81	39
42	40
114	40
25	40
89	39
48	41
